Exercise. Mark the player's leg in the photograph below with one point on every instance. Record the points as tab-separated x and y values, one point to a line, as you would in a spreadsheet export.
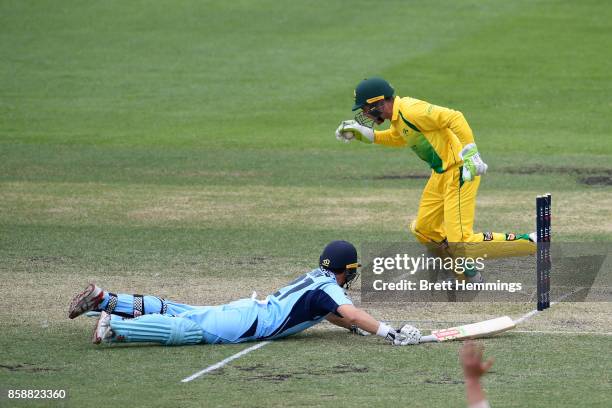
94	298
235	322
459	211
152	328
460	208
428	227
134	305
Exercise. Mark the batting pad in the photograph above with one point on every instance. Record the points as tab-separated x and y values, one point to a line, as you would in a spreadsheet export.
156	328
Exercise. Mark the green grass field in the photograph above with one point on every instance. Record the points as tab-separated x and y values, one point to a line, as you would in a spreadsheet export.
186	149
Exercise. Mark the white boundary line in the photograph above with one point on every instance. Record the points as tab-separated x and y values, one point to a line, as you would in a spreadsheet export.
225	361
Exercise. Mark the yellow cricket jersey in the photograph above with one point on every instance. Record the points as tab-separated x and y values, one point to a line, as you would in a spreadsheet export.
434	133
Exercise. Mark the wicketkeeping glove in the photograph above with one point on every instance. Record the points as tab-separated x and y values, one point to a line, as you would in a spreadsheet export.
472	162
350	129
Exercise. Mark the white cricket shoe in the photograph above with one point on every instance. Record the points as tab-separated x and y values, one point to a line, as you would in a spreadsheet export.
533	237
102	330
85	301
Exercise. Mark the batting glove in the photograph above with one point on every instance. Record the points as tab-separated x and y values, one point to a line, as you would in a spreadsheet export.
406	335
350	129
472	162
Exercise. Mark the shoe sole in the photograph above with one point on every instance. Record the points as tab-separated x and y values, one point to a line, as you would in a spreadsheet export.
81	304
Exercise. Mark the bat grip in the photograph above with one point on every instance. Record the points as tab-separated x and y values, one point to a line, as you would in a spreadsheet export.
429	339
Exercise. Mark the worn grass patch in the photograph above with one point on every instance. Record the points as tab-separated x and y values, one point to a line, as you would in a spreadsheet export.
575	213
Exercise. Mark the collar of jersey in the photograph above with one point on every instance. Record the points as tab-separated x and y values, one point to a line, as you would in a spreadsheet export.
328	273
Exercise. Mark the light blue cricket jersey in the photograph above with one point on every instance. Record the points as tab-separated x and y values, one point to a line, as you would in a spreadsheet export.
299	305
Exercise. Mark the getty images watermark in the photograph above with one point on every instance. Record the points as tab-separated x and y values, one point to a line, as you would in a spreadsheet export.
482	272
462	274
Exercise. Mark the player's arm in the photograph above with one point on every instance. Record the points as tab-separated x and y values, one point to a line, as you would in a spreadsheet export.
389	137
473	369
350	129
332	300
338	321
350	316
428	117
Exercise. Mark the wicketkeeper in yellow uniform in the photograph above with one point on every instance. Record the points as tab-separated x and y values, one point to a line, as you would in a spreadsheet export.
443	139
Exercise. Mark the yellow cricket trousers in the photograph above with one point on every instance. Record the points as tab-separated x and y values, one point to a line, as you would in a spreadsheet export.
447	209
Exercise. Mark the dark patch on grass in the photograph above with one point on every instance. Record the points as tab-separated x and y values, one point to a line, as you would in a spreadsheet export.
596	180
348	368
50	259
579	171
271	377
250	368
407	176
279	377
444	380
255	260
585	175
28	368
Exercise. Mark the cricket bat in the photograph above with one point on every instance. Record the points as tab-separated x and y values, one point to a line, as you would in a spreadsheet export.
471	331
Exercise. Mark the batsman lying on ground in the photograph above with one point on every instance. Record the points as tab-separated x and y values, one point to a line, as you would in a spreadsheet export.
444	140
306	301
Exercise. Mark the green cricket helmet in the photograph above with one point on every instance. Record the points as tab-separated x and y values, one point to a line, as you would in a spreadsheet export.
372	90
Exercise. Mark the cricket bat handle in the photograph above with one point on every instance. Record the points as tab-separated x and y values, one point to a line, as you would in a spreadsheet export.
429	339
